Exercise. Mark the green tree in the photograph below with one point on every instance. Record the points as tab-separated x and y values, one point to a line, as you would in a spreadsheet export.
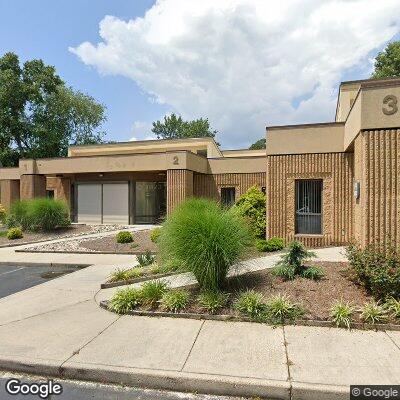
174	127
39	115
387	62
259	145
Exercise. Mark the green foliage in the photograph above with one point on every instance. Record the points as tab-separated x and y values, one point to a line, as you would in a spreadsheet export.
145	259
212	301
291	263
125	300
377	269
251	205
124	237
175	300
341	313
387	62
39	214
164	268
14	233
280	308
314	273
39	115
205	239
155	234
393	307
272	244
373	313
251	304
174	127
125	274
3	214
151	292
259	145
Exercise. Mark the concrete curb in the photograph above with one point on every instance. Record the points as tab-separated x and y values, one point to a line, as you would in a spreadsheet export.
109	285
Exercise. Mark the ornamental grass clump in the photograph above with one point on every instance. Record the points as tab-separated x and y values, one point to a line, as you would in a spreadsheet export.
151	293
212	301
145	259
205	239
125	274
251	304
341	313
125	300
373	313
175	300
280	308
393	307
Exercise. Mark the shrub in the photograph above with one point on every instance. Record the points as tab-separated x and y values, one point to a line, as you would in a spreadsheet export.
341	313
175	300
373	313
124	237
145	259
251	205
151	292
125	300
251	303
19	215
14	233
212	301
393	307
48	214
204	239
272	244
314	273
291	263
279	308
155	234
124	274
377	269
2	213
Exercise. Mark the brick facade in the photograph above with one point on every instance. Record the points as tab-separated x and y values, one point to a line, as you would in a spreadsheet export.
61	187
179	187
32	186
9	192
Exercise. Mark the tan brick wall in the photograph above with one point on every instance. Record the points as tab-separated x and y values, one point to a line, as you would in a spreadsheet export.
61	187
32	186
210	185
377	214
179	187
9	192
336	171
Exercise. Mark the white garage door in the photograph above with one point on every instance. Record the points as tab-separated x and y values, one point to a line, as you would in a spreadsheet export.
103	203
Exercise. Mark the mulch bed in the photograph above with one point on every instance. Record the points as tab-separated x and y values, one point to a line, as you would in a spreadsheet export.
108	244
33	237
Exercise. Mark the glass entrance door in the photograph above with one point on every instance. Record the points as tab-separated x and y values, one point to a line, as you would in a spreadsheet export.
150	202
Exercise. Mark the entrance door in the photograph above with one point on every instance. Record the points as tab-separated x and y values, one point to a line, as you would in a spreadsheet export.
150	202
89	209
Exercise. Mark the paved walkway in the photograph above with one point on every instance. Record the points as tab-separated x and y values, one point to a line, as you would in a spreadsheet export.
57	328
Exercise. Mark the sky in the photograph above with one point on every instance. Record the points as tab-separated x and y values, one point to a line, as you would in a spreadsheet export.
243	64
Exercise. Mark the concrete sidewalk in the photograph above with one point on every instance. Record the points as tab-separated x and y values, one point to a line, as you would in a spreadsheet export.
58	329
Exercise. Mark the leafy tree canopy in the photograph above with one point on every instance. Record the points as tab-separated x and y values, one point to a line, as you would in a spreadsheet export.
174	127
39	115
387	62
260	144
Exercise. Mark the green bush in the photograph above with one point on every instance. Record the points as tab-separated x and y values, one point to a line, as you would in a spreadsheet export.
313	272
373	313
145	259
341	313
155	234
377	269
151	292
205	239
252	206
212	301
273	244
251	304
125	300
14	233
279	309
124	237
18	215
125	274
175	300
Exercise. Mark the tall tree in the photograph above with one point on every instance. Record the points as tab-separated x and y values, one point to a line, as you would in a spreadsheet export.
260	144
174	127
39	115
387	62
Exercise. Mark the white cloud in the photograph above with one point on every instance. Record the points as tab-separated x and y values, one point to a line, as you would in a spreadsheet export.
244	64
141	130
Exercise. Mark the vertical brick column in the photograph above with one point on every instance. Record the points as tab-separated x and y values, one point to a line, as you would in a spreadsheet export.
61	187
9	192
32	185
179	187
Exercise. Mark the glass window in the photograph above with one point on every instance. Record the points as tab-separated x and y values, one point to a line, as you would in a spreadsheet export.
228	196
309	206
50	194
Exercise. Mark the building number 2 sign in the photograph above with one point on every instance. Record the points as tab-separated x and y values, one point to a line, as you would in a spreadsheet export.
389	105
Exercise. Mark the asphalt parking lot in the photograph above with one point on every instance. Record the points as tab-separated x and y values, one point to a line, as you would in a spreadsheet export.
14	278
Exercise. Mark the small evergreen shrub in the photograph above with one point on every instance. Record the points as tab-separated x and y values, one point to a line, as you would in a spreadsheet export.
251	304
252	206
205	239
151	292
175	300
313	272
212	301
145	259
155	234
341	314
279	309
373	313
125	300
272	244
124	237
377	269
14	233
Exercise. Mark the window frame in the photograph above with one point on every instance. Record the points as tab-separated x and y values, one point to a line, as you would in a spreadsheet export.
223	189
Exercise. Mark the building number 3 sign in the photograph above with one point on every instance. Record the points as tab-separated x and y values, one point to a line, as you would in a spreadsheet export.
389	105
